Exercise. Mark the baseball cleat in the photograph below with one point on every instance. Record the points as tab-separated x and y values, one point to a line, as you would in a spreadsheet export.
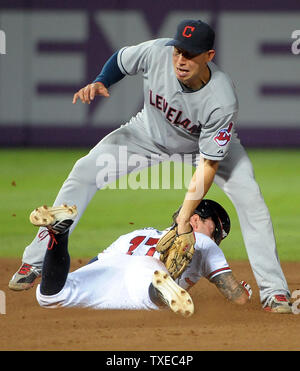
24	278
174	296
58	219
278	304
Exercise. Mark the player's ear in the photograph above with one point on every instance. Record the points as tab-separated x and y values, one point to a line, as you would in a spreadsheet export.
210	55
194	221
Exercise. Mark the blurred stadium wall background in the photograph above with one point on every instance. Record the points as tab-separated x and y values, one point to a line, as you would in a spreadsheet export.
55	47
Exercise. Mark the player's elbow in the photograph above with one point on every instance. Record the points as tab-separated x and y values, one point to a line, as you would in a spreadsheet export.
211	163
238	295
241	300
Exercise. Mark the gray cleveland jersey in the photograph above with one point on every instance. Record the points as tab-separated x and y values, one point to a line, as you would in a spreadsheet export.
170	115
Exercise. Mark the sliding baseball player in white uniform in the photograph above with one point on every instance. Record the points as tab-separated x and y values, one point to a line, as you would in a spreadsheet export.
129	273
190	107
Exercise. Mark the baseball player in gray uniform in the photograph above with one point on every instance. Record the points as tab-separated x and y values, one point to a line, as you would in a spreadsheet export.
190	108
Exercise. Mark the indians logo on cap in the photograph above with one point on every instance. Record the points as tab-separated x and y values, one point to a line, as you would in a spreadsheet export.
223	136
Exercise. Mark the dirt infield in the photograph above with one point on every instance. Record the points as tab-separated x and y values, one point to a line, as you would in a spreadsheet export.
216	324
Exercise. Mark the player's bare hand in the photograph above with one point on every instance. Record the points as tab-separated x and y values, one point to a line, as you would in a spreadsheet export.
88	93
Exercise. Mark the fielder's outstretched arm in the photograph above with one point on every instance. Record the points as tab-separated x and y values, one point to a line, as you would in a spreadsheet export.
199	185
237	292
109	75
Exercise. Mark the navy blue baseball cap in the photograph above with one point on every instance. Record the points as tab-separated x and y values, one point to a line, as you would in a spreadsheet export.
193	36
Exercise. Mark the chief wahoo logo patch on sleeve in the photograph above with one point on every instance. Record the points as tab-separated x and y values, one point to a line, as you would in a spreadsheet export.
223	136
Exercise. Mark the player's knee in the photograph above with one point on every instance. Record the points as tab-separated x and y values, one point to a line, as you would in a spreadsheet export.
246	194
84	170
80	164
44	301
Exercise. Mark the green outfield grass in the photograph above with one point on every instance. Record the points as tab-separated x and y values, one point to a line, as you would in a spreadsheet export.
30	178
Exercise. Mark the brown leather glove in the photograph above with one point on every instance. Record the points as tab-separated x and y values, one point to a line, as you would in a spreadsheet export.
176	251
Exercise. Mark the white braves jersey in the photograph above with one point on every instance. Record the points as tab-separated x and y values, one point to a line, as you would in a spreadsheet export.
200	121
121	276
208	259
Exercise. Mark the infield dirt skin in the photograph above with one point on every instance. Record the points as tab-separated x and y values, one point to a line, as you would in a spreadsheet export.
216	324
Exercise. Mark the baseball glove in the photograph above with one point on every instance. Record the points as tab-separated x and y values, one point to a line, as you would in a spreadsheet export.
176	251
167	240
